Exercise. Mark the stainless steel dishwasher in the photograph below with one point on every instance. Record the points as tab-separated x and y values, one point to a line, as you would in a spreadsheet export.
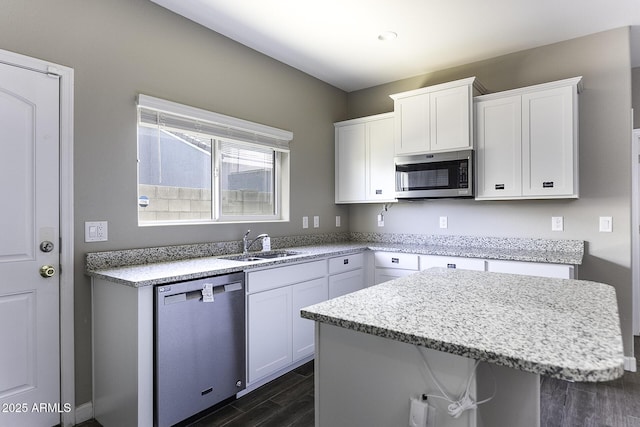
199	345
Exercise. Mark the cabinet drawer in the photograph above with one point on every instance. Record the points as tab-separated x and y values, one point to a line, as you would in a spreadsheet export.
396	260
428	261
258	281
345	263
561	271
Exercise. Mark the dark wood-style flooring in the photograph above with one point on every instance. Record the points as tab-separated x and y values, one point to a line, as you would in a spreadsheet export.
609	404
288	402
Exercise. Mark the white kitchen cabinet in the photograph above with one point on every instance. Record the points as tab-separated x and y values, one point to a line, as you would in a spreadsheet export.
435	118
429	261
345	283
527	142
364	169
561	271
499	151
276	335
270	332
346	274
391	265
303	295
385	274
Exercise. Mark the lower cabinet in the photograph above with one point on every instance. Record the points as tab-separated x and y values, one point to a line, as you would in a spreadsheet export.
276	334
345	283
303	295
346	274
270	339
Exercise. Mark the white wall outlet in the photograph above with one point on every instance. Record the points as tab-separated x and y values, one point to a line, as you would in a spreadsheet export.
606	224
418	412
316	221
337	220
444	222
380	220
557	223
305	222
96	231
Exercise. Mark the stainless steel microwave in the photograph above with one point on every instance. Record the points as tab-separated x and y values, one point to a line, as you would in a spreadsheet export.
434	175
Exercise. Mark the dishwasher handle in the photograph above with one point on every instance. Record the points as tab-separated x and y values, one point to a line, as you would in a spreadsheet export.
198	293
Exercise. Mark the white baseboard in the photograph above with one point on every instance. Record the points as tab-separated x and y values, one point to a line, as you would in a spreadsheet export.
630	364
84	412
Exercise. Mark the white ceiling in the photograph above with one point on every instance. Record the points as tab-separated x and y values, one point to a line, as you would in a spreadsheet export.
337	40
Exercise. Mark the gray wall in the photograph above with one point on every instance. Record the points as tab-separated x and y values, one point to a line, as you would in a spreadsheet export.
605	166
119	48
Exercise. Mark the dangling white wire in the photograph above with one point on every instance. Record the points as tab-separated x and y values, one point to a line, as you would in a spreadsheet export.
465	401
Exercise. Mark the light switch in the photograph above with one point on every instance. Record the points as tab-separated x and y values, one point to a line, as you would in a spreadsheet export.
305	222
337	220
606	224
316	221
95	231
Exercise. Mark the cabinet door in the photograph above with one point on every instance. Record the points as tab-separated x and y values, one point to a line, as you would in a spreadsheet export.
306	294
412	124
450	121
498	148
385	274
269	332
428	261
549	145
380	166
350	163
345	283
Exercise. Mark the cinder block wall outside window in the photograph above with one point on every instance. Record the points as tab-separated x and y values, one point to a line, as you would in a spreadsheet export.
181	203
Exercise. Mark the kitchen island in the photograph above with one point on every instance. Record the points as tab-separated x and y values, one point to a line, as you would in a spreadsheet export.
369	345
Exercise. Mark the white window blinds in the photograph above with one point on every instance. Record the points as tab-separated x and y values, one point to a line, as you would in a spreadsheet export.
170	115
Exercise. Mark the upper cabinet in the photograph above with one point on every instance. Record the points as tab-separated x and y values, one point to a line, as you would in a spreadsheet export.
435	118
527	142
364	160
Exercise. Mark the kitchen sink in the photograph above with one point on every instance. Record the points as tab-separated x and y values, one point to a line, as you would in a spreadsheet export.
260	256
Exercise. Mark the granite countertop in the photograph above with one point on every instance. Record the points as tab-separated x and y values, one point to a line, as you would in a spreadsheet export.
159	273
566	329
156	266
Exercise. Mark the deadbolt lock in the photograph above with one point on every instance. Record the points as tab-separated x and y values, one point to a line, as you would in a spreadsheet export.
47	271
46	246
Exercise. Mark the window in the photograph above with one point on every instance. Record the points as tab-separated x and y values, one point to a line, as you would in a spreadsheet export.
196	166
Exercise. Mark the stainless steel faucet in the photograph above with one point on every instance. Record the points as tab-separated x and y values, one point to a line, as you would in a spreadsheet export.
246	245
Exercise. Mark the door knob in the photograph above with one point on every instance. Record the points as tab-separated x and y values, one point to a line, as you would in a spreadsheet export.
47	271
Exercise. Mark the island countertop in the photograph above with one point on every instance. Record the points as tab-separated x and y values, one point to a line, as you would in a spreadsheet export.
566	329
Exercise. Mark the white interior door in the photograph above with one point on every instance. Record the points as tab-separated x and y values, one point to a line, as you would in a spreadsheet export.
29	236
